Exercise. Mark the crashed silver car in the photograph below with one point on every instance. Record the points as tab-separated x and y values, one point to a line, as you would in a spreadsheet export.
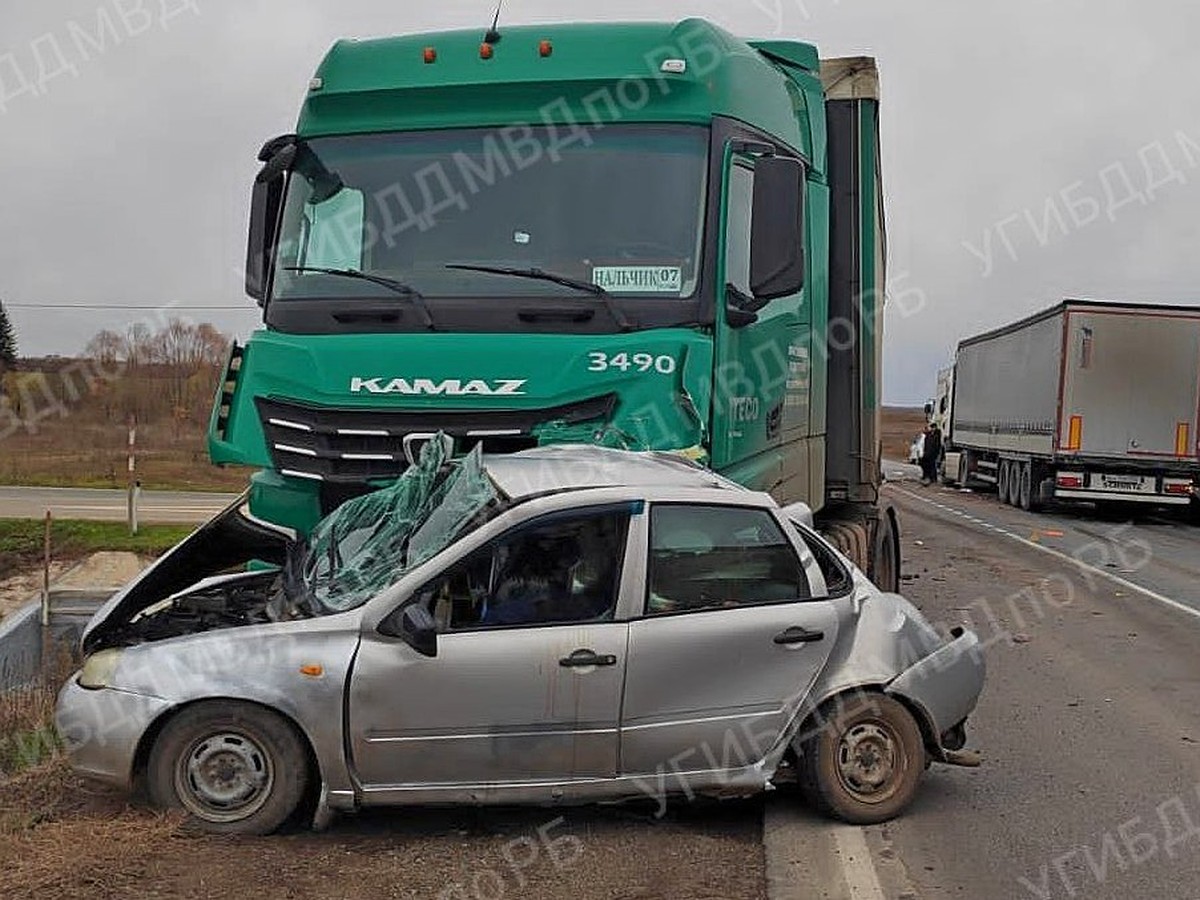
562	625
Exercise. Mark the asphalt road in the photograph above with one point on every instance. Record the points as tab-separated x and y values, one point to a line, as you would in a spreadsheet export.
1089	724
109	506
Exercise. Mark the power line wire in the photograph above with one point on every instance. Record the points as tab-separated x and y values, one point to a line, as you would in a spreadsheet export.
100	306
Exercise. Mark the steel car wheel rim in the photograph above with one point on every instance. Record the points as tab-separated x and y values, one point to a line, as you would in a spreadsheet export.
870	760
224	777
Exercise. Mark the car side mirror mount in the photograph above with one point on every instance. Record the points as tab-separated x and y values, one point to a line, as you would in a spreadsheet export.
777	261
414	625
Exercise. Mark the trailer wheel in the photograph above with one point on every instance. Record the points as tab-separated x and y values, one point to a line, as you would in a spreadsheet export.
1037	477
1003	479
1025	486
964	469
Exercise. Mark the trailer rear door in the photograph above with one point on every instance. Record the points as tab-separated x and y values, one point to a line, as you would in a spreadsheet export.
1131	384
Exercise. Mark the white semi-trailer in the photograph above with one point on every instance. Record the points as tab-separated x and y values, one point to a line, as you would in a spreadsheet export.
1083	401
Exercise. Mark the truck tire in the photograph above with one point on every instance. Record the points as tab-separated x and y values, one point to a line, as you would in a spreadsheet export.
964	469
885	553
873	546
1003	480
1024	484
850	540
1037	497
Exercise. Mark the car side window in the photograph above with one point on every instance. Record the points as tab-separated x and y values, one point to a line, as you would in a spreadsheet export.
838	581
713	557
558	569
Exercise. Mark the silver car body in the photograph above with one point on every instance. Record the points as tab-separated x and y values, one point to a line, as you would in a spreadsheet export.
699	702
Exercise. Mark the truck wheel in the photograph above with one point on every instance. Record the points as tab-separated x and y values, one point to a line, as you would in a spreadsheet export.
1037	497
885	555
864	764
1003	480
964	469
235	768
1025	486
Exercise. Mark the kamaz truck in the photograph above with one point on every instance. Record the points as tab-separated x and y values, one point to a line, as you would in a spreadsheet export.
1084	401
643	236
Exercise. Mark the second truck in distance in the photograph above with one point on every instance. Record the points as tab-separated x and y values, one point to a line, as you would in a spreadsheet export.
1084	401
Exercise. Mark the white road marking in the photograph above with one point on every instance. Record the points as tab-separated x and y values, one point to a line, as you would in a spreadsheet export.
857	867
1058	554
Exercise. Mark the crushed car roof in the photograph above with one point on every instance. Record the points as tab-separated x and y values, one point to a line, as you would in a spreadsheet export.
547	470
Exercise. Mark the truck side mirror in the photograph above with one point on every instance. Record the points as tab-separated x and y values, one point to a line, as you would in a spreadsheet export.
929	410
266	199
777	233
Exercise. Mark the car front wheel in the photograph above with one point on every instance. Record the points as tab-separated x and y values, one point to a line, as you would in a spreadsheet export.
864	763
234	768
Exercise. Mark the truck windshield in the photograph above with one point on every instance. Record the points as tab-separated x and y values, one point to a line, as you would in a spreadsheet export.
620	207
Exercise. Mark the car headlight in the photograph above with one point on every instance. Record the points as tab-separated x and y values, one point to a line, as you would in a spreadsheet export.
99	668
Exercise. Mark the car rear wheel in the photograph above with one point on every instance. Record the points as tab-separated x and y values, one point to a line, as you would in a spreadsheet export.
234	768
864	764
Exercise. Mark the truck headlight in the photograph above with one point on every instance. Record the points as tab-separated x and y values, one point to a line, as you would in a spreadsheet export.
99	668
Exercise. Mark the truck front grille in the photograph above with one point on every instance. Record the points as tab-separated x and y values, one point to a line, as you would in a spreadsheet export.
336	444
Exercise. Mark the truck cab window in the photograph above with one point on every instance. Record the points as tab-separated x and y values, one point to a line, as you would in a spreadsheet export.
738	227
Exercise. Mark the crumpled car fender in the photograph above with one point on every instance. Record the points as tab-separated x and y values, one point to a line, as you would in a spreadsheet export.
945	685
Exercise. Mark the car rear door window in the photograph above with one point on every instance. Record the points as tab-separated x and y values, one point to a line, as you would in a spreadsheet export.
714	557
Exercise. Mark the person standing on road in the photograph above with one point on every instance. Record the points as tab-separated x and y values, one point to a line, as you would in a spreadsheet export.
932	455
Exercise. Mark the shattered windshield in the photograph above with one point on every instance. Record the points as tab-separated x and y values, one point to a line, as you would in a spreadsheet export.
369	543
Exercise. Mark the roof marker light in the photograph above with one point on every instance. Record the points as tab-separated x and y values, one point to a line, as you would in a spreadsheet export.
546	48
486	51
674	66
430	55
316	83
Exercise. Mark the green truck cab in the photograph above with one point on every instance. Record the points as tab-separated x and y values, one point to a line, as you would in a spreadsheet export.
645	236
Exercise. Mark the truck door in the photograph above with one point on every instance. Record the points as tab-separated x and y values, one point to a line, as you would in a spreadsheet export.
762	367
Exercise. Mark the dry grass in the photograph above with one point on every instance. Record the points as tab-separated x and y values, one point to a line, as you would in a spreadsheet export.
63	837
27	736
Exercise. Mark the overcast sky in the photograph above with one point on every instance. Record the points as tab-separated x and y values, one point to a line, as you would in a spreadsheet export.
127	184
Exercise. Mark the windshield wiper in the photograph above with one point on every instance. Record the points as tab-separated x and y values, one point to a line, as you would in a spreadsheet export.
391	284
566	281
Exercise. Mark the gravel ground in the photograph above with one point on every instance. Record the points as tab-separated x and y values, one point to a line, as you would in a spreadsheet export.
98	570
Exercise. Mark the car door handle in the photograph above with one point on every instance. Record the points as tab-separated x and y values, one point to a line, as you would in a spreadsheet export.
581	659
798	635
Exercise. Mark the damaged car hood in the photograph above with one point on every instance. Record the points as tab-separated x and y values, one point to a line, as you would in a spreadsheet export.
363	547
231	539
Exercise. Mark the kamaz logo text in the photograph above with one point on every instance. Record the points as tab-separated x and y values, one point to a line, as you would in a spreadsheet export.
451	387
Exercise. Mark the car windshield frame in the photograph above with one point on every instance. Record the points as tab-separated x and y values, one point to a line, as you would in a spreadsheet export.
405	205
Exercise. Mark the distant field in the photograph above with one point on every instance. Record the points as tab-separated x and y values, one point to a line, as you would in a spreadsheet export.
900	425
72	453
